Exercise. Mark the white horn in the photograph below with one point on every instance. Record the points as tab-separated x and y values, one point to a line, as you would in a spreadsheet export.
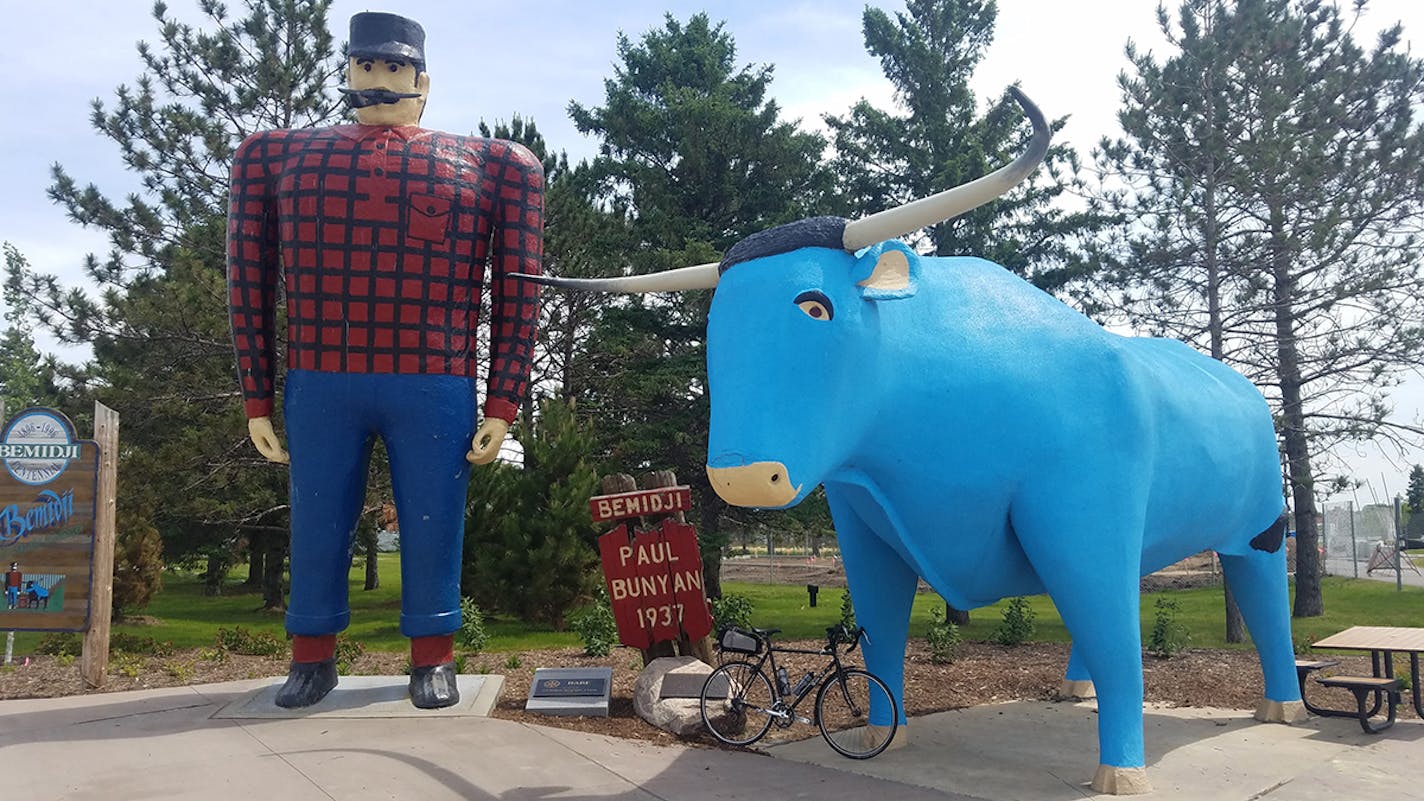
951	203
701	276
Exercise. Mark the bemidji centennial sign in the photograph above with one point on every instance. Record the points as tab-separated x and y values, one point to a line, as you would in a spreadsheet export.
48	486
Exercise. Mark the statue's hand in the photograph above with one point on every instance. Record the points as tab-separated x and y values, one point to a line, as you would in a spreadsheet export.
487	441
260	430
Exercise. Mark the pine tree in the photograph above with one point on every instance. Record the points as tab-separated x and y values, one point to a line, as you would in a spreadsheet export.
936	139
157	323
694	156
530	546
27	377
1286	175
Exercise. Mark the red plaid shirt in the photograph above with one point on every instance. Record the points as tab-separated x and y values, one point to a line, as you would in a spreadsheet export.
383	234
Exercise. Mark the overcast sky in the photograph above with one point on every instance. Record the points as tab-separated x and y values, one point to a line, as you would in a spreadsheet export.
488	63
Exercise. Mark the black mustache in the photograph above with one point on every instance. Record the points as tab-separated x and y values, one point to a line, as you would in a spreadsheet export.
361	98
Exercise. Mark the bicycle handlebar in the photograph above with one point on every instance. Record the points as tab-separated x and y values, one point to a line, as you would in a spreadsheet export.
837	634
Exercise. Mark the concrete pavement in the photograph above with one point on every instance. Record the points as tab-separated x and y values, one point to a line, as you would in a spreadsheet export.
169	744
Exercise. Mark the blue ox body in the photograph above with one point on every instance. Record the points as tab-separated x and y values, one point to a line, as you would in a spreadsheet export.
974	431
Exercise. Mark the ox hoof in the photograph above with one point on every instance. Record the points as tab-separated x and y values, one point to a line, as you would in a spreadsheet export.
1071	690
902	738
1288	712
1121	781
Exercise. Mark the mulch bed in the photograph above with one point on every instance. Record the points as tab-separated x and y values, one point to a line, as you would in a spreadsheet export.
981	673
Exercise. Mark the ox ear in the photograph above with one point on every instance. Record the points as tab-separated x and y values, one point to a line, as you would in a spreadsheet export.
887	271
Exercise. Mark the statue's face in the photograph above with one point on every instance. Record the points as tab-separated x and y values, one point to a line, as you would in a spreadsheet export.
368	74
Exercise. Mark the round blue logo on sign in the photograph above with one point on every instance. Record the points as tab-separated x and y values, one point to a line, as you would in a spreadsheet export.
37	446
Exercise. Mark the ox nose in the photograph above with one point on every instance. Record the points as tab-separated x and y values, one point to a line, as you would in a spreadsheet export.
761	484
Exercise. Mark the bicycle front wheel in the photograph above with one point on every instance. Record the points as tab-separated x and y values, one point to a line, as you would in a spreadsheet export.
856	714
736	703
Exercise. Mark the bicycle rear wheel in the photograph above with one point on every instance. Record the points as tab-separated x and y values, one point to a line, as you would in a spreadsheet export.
736	700
856	714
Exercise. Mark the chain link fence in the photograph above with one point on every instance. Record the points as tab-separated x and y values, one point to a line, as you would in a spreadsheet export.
1351	536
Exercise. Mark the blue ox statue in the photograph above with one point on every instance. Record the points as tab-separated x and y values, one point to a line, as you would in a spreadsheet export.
974	431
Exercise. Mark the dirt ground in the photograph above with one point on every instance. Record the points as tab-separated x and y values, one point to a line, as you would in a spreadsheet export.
826	571
981	673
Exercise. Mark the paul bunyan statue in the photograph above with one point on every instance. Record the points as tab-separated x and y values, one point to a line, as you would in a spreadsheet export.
381	232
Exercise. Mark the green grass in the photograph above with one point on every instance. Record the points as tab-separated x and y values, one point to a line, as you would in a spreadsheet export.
1348	602
190	619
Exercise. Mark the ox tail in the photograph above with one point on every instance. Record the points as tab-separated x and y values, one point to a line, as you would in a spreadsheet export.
1270	540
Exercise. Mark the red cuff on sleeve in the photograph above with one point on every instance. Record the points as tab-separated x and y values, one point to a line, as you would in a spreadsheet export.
258	407
502	409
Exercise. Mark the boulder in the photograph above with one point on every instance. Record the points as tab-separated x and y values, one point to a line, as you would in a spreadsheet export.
679	674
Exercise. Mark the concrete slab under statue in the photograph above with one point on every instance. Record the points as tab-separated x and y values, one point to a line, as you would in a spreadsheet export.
369	697
569	692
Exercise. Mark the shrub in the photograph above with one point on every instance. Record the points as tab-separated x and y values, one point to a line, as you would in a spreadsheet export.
472	635
61	643
1168	635
239	640
139	644
530	544
596	627
180	670
732	610
127	664
847	611
943	638
1017	626
347	652
513	662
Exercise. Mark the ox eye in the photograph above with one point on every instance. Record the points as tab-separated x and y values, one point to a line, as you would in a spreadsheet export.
816	305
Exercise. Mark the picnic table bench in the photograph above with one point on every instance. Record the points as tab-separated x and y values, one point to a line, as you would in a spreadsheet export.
1383	687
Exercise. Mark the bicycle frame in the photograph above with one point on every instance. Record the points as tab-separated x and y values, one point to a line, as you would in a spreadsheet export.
767	665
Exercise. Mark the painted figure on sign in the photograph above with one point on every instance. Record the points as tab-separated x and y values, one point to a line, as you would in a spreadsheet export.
383	231
13	579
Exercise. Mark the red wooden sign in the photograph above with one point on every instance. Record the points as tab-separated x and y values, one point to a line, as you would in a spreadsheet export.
624	505
655	584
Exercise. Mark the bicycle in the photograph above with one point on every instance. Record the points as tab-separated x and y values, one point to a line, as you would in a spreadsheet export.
854	709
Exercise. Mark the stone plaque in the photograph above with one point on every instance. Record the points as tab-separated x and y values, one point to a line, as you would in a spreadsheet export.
570	691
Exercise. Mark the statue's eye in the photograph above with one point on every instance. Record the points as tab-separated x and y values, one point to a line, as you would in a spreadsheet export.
816	305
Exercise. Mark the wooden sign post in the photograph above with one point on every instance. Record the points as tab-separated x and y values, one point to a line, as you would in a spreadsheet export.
653	574
94	663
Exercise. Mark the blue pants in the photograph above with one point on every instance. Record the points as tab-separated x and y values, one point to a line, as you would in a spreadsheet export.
426	422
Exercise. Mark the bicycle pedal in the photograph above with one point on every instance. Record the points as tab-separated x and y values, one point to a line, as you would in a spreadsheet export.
800	719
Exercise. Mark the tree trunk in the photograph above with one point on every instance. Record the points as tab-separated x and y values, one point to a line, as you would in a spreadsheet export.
256	545
213	578
273	562
1308	599
1235	626
959	617
373	575
711	543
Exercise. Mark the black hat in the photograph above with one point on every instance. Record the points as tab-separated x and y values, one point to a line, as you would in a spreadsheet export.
376	34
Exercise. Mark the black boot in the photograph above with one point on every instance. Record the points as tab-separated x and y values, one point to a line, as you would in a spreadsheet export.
434	687
307	683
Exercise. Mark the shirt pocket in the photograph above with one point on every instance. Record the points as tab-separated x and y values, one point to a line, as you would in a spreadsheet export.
428	217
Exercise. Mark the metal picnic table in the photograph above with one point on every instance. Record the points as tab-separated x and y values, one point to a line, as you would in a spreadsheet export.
1383	642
